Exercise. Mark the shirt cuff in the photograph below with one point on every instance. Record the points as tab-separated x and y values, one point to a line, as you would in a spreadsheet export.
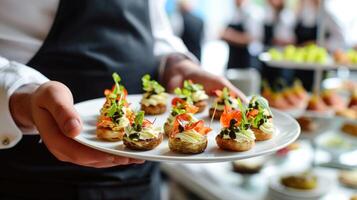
13	75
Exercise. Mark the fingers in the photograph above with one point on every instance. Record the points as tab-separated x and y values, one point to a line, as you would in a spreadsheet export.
106	165
57	99
68	150
174	82
236	91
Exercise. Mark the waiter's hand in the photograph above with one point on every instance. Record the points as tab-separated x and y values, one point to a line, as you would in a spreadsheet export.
177	70
49	108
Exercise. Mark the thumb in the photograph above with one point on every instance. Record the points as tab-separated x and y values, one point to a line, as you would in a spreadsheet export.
57	99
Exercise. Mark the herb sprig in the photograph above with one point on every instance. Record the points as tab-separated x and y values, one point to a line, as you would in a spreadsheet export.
151	86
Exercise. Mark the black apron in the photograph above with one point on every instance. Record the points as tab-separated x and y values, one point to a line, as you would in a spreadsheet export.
239	56
305	34
88	41
271	74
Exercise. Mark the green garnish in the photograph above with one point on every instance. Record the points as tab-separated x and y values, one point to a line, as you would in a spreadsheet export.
138	121
151	86
177	111
187	90
188	85
261	105
226	97
116	79
139	117
116	106
184	94
244	125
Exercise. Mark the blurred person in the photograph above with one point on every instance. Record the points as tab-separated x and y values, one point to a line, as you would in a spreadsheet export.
278	24
193	29
79	44
306	22
187	25
278	31
306	32
243	30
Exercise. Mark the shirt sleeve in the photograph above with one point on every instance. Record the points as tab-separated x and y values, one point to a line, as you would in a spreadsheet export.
166	42
13	75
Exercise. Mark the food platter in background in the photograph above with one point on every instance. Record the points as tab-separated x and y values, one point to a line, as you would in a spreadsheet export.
309	57
267	59
318	187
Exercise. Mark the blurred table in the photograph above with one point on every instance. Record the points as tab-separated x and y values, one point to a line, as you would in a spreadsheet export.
218	181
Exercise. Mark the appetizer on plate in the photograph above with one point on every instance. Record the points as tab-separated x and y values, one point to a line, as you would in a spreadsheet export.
299	90
189	135
304	181
179	106
316	104
353	101
332	99
307	124
115	114
154	99
348	178
348	113
295	95
261	118
142	135
350	129
224	98
276	99
194	93
249	166
236	134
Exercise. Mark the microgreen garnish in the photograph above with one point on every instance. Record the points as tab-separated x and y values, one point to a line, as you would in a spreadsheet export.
244	124
184	94
116	79
151	86
138	121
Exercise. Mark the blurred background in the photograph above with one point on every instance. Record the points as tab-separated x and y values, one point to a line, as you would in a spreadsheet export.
302	56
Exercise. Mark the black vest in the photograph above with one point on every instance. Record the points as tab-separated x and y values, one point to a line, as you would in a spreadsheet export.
239	56
88	41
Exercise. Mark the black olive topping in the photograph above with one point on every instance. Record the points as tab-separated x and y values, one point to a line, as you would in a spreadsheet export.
174	113
181	128
224	132
232	134
134	136
232	123
261	122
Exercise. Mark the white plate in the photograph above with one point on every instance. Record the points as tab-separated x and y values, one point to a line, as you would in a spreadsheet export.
348	143
287	131
279	191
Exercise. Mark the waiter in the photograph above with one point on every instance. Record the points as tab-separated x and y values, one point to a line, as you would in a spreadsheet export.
240	33
278	31
80	44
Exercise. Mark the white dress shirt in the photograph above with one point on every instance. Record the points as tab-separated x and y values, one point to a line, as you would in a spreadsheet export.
24	26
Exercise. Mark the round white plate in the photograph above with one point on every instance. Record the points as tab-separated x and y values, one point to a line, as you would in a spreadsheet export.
279	191
287	131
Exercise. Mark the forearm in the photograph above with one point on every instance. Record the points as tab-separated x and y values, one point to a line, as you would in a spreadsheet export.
235	37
